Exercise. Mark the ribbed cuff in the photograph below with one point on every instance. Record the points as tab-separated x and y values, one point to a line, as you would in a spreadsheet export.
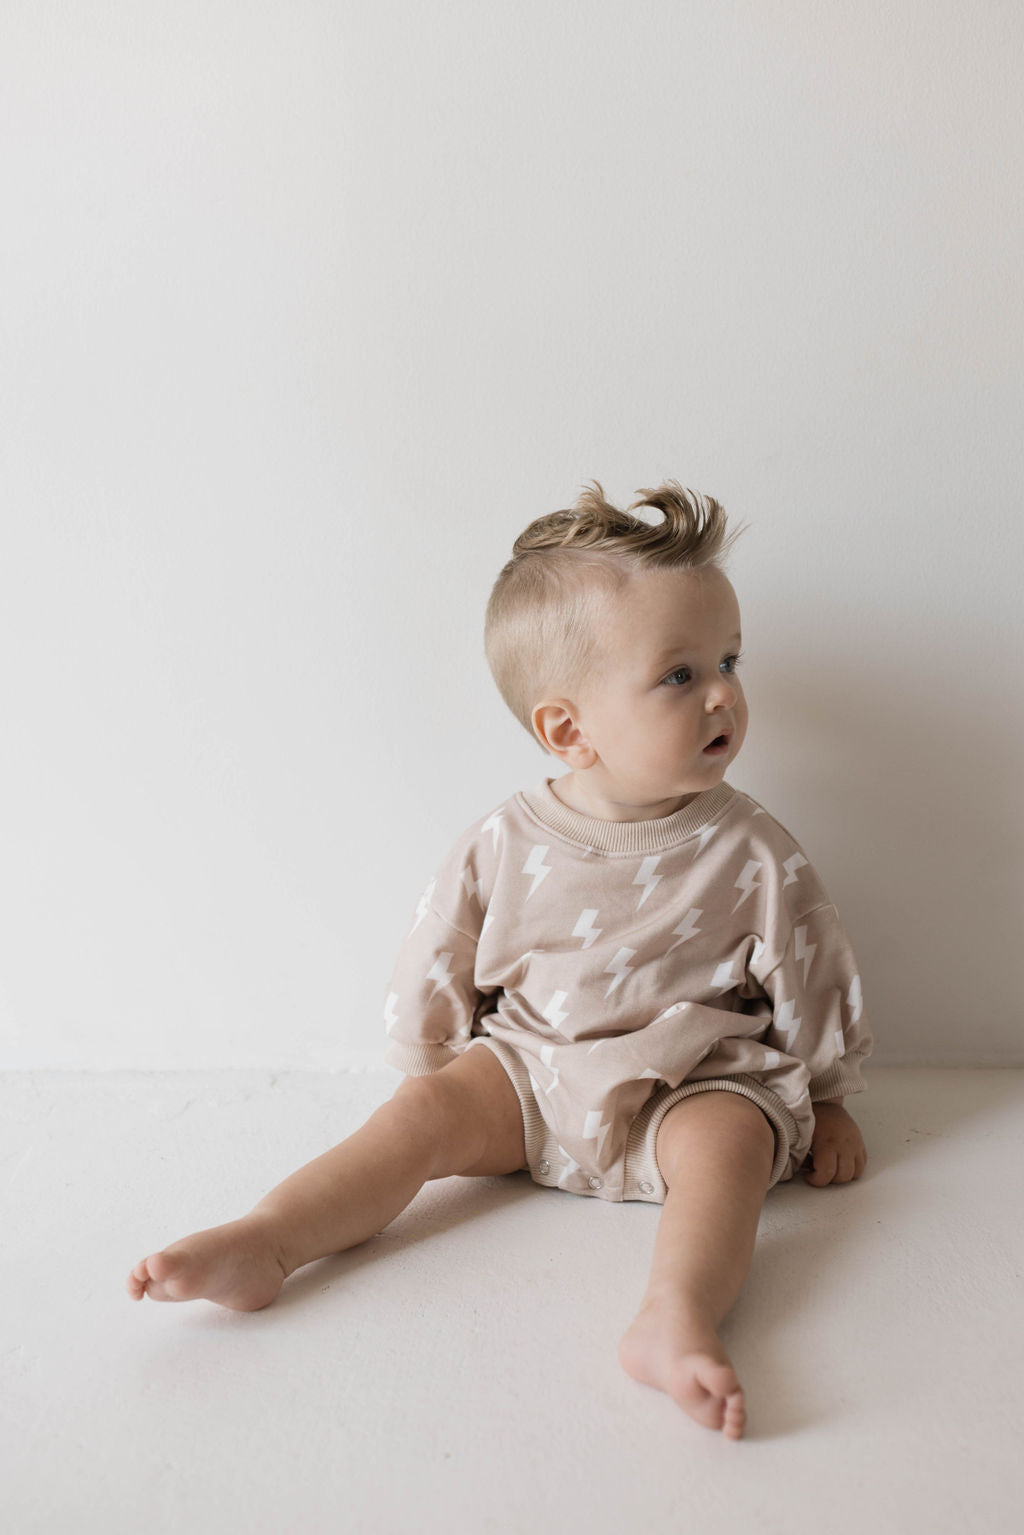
418	1060
839	1080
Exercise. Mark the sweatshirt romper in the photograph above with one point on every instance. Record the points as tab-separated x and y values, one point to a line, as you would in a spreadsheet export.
615	967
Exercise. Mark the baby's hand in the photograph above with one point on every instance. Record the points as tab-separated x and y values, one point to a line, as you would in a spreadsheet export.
837	1147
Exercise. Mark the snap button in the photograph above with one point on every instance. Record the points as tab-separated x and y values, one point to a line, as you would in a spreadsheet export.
544	1167
647	1188
595	1183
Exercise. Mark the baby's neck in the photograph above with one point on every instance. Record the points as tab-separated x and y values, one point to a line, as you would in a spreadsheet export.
568	790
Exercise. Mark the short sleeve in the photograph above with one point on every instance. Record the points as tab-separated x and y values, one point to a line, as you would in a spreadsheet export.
817	1007
432	1000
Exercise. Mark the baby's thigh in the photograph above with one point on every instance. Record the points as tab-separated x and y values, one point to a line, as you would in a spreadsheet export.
474	1111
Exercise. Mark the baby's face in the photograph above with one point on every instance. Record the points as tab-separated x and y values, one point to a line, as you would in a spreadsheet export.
670	689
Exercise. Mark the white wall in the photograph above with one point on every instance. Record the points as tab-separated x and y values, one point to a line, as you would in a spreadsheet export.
307	309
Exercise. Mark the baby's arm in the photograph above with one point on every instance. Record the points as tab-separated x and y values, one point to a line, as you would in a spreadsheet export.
819	1018
432	1000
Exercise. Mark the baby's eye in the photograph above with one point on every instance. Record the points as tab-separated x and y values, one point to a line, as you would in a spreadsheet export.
730	662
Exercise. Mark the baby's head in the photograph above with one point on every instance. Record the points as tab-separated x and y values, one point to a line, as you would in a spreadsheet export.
615	643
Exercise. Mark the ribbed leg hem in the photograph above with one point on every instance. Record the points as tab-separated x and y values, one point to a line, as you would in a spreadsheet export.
536	1135
643	1175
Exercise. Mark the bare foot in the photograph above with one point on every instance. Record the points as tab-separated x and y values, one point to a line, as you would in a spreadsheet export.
668	1347
239	1265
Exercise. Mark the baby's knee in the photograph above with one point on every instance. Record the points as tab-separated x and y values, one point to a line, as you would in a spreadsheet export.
712	1125
471	1113
415	1101
440	1114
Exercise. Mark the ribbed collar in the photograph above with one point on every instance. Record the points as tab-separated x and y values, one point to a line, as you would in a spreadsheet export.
625	836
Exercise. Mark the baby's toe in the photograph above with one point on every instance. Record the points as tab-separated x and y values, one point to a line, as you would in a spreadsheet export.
171	1275
735	1416
137	1280
150	1276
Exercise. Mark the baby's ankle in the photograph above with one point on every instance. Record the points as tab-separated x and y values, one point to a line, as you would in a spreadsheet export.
268	1225
672	1300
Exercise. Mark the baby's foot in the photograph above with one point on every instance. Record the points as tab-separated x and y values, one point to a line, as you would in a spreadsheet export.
239	1265
668	1347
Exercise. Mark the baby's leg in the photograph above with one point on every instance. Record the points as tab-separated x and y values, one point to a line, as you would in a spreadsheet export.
715	1151
465	1119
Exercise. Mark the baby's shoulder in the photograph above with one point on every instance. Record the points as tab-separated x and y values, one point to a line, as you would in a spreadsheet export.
792	879
477	847
753	820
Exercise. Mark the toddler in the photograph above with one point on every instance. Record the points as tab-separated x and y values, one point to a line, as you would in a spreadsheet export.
665	1004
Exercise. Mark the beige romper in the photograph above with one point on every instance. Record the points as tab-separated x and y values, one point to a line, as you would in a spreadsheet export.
614	967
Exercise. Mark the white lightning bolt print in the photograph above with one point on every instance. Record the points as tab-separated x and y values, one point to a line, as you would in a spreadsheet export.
423	905
647	877
547	1055
596	1127
618	967
747	882
440	972
494	825
553	1012
804	950
724	977
688	927
474	887
854	999
571	1166
536	866
390	1011
705	837
791	865
585	926
786	1024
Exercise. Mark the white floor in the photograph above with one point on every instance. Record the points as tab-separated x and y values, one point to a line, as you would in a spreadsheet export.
458	1372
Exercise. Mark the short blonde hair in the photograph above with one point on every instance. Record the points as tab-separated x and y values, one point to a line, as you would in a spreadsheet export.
542	629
